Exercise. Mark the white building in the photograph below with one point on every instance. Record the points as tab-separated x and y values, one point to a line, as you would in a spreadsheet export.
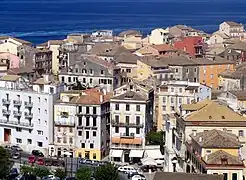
129	125
26	115
232	29
159	36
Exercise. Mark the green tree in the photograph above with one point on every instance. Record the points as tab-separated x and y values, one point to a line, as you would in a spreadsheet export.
41	171
156	138
60	173
84	173
26	169
107	171
5	164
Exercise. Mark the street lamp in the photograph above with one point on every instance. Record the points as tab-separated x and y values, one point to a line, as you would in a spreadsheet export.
174	162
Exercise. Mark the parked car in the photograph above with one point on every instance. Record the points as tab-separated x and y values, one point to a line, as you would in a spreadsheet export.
50	177
131	174
37	153
13	173
40	161
16	148
138	177
31	159
160	161
53	162
16	155
127	169
70	178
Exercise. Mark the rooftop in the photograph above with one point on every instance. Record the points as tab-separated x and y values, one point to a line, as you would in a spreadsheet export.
9	77
218	157
208	110
233	24
216	139
20	70
130	95
127	57
130	33
240	94
16	39
163	47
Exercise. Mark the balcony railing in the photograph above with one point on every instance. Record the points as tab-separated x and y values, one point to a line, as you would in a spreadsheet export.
17	113
28	104
17	103
119	124
6	112
131	146
16	124
28	115
62	123
125	135
86	126
6	101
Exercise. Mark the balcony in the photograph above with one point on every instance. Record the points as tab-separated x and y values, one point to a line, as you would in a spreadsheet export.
86	127
125	135
17	103
6	101
6	112
65	123
17	113
119	124
28	115
28	104
16	124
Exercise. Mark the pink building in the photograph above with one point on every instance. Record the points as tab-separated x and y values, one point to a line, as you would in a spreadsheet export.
12	60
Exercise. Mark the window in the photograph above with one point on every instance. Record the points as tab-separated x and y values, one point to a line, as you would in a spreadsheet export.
30	131
172	100
137	119
80	155
84	80
40	132
116	129
71	130
51	90
176	70
234	176
94	156
172	108
138	107
40	144
102	72
69	79
87	134
18	129
29	141
87	122
82	145
91	71
94	110
39	110
65	140
240	133
70	140
187	70
164	108
62	79
208	151
94	121
79	133
211	76
128	70
91	145
18	140
172	89
180	100
180	90
137	130
87	110
164	100
194	69
127	107
117	118
80	121
45	111
117	107
94	133
90	80
225	176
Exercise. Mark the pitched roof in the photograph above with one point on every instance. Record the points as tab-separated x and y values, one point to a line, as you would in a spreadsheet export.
238	45
216	139
130	95
20	70
233	24
130	33
235	74
240	94
185	176
92	97
208	110
163	47
217	158
127	57
10	77
16	39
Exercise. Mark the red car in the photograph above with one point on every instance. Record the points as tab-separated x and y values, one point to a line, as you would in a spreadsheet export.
31	159
40	161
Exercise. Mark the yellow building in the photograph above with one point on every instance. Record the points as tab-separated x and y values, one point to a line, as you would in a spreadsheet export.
131	39
215	152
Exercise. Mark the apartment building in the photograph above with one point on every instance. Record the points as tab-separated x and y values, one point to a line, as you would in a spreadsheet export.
215	152
159	36
91	71
26	115
81	119
232	29
131	119
202	116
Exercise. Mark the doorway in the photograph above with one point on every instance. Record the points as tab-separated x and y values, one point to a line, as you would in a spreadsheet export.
7	135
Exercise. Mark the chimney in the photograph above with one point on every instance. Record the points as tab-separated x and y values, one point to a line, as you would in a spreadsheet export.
101	98
46	77
194	133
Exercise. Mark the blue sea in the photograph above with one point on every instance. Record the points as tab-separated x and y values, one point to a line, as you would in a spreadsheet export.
40	20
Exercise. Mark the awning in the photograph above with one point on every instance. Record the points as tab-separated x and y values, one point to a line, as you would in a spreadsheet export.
115	140
136	153
116	153
149	162
154	153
